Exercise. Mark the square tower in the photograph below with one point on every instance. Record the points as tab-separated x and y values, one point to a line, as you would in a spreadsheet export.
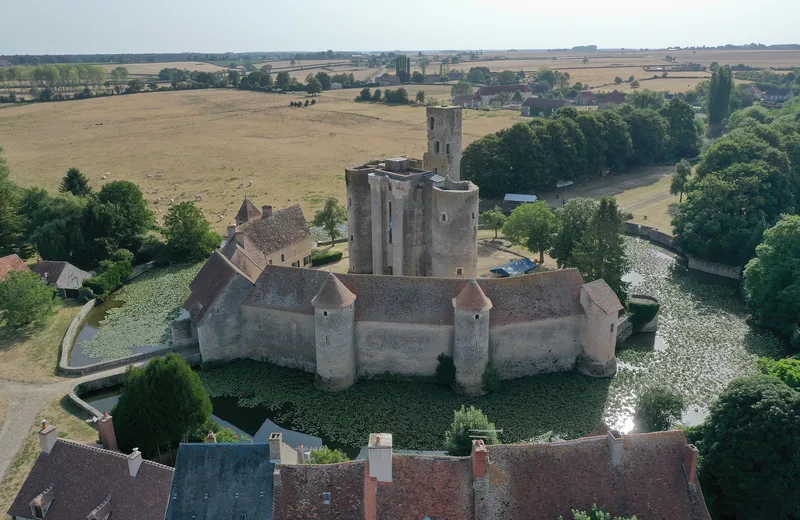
444	141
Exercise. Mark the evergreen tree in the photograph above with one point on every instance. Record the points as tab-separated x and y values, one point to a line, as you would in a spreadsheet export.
402	67
76	183
601	251
719	95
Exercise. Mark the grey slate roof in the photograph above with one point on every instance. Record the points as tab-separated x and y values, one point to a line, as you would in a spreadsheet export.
209	284
247	211
83	477
221	482
63	275
264	236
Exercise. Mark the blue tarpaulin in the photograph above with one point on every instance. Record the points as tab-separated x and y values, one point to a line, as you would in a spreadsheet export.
516	267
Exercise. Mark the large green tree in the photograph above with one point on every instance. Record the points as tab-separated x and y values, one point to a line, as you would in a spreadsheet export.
160	404
462	88
76	183
330	217
283	80
468	423
507	77
719	95
772	278
646	98
648	131
25	298
574	218
617	136
402	67
313	86
484	163
680	179
188	234
751	450
532	226
11	224
493	219
600	253
129	217
684	134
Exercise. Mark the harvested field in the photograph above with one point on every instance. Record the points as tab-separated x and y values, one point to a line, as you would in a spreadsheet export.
152	69
208	142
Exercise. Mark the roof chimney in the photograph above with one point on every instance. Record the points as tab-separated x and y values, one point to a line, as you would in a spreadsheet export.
240	238
266	211
380	456
134	461
231	231
301	454
616	444
47	437
690	455
107	434
211	438
479	457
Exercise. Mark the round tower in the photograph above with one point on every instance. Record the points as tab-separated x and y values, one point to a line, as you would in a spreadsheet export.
359	218
454	230
335	335
471	339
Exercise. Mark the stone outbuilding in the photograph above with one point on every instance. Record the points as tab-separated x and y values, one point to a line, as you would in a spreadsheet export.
64	276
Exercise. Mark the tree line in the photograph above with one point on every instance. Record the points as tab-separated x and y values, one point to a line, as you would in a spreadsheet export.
64	77
533	156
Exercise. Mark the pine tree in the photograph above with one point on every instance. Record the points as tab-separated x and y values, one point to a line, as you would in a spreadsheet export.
76	183
719	95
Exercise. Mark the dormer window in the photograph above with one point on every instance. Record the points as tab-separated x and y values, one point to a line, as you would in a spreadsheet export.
41	504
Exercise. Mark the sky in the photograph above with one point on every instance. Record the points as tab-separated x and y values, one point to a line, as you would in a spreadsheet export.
141	26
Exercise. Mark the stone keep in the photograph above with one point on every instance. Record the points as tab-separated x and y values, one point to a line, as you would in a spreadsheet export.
471	337
444	142
335	335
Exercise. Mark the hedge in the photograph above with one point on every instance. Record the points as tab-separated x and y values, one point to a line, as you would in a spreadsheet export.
114	275
325	257
642	310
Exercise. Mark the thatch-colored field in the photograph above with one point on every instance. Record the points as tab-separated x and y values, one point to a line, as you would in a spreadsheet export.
152	69
208	142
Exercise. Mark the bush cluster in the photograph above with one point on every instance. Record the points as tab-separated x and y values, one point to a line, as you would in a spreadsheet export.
642	310
110	276
325	257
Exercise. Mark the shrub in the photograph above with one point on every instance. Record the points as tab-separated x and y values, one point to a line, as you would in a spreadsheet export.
25	298
787	370
151	249
466	422
110	275
325	455
325	257
642	310
595	514
445	370
657	409
491	379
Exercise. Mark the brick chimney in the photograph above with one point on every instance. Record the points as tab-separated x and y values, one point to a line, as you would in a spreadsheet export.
616	445
479	458
301	454
240	238
690	455
266	211
47	437
107	434
134	461
231	231
380	456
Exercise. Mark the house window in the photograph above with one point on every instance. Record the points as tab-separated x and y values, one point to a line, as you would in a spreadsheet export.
296	264
389	270
324	313
459	271
431	123
473	215
326	497
281	258
436	147
612	327
270	262
38	511
447	148
444	217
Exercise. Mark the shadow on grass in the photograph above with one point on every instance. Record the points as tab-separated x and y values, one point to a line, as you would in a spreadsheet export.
416	411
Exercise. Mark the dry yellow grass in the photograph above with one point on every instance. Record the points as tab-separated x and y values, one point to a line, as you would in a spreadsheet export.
138	69
208	142
70	424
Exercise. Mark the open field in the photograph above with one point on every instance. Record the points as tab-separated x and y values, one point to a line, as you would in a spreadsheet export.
208	142
152	69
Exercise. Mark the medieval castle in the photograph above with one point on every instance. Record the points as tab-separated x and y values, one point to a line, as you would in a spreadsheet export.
415	220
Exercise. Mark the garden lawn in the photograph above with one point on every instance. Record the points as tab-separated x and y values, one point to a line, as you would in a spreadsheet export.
152	301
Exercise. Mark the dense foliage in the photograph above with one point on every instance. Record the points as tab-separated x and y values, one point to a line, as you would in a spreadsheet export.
493	219
188	234
719	95
575	145
642	310
322	257
787	370
160	404
532	226
111	274
467	424
325	455
330	217
11	239
25	298
574	218
658	409
597	513
445	370
772	278
751	451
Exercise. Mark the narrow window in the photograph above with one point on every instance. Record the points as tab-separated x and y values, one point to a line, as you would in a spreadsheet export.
431	123
270	262
326	340
444	217
389	270
447	148
436	147
281	258
459	271
612	327
352	239
473	215
390	222
324	313
326	496
349	202
477	316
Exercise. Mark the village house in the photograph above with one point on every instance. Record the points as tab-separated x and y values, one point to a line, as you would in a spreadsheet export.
467	100
542	107
72	481
64	276
267	237
778	95
651	475
11	263
585	98
612	99
388	80
489	92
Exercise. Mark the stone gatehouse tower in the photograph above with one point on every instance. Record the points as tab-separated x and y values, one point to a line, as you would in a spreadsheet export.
415	218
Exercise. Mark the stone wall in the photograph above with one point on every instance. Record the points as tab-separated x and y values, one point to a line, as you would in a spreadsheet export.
397	348
280	337
624	329
727	271
537	347
72	332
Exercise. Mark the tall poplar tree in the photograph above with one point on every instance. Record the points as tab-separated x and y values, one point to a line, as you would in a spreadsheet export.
719	95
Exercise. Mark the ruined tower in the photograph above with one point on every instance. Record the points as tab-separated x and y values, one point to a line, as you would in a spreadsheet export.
444	142
335	335
471	337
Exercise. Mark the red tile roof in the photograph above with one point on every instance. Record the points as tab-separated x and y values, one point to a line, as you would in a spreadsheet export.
84	476
11	263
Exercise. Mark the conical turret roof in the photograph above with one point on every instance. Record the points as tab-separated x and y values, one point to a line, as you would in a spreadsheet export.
333	294
472	298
